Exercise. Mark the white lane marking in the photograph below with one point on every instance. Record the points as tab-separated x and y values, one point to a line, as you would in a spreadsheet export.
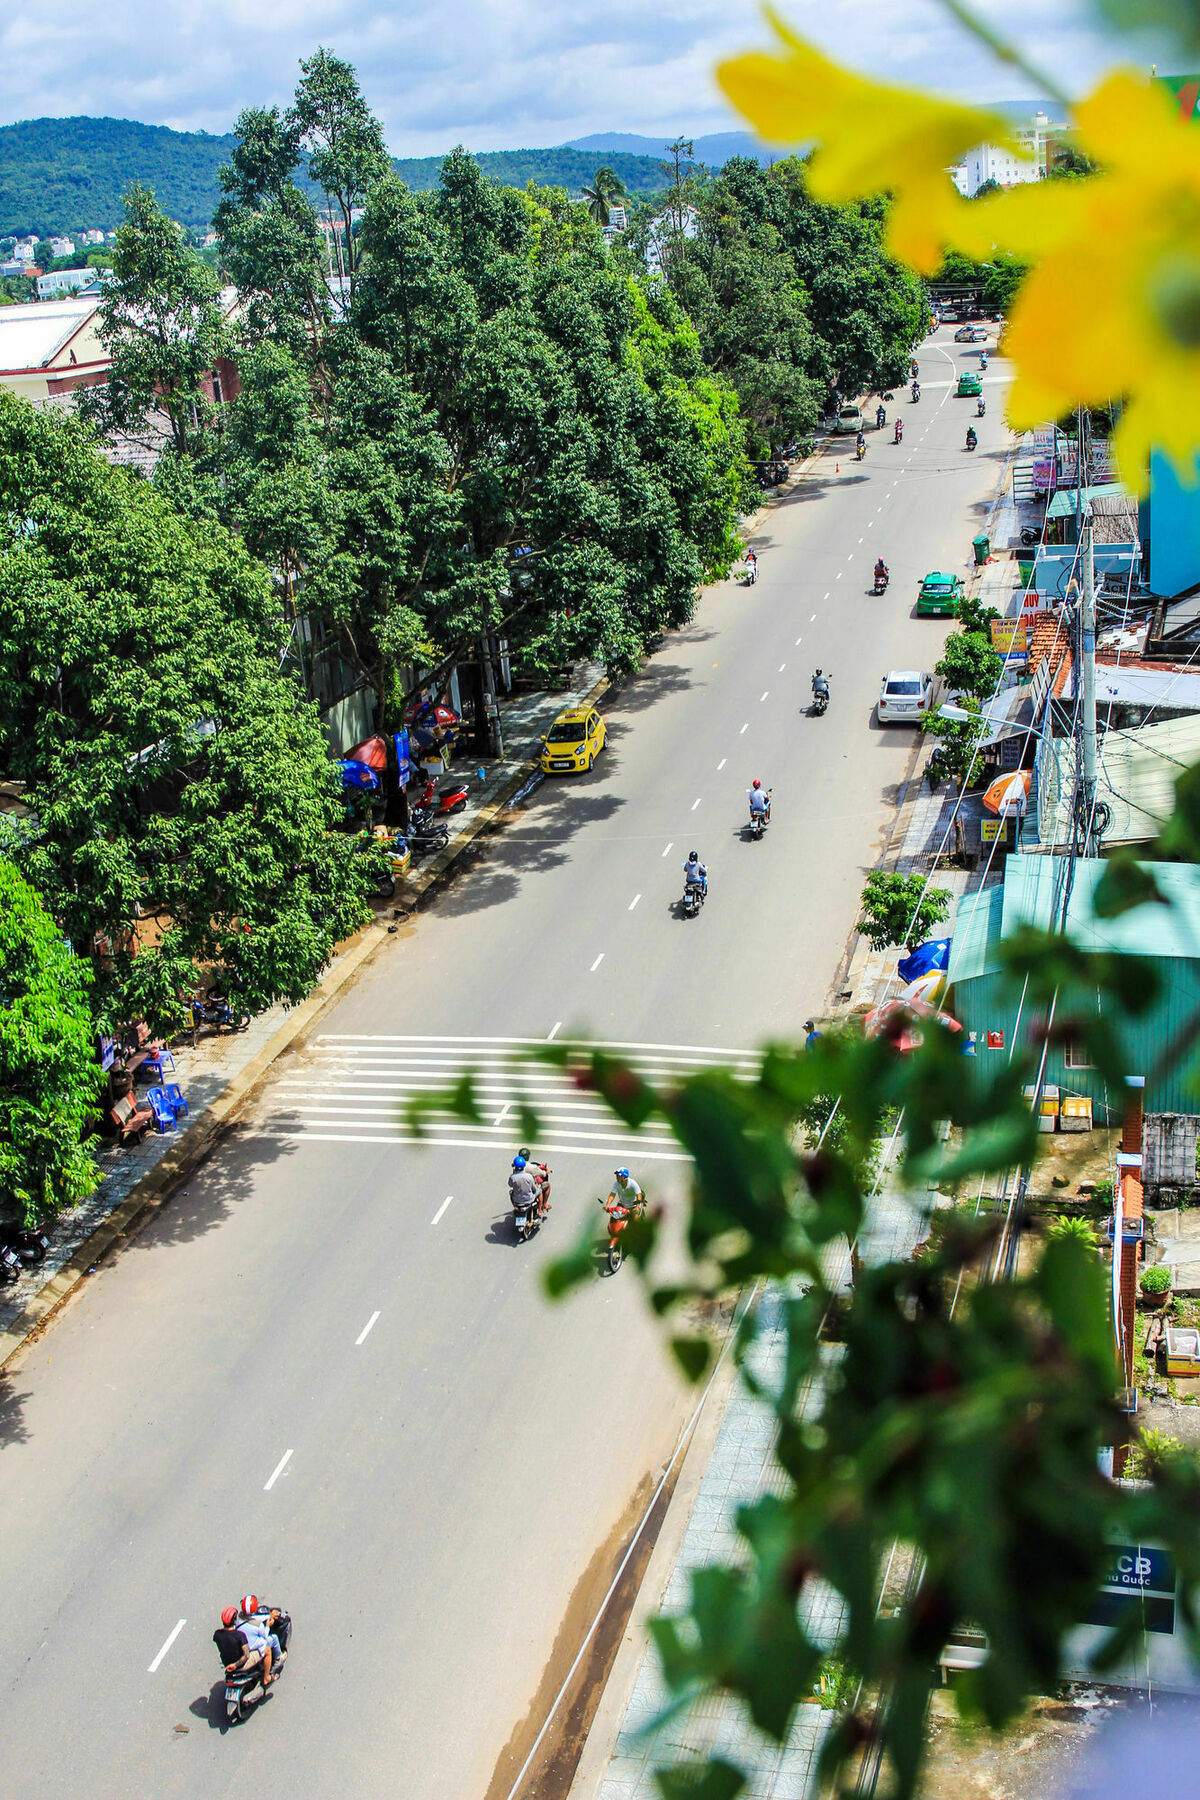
633	903
798	643
781	668
813	619
721	764
440	1213
488	1144
554	1031
502	1115
596	964
839	576
860	541
668	849
745	727
763	695
280	1466
362	1336
824	597
473	1044
153	1669
695	803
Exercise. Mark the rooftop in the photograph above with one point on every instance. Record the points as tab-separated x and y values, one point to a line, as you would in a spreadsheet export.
32	334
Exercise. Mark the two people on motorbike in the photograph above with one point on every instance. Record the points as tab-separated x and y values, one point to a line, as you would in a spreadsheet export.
528	1184
899	431
881	573
247	1636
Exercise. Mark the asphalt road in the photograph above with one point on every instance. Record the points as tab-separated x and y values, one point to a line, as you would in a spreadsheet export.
325	1371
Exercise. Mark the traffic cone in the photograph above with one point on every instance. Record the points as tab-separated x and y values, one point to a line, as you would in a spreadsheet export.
837	468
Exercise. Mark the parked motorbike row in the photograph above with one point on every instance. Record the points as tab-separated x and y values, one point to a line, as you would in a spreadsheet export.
20	1250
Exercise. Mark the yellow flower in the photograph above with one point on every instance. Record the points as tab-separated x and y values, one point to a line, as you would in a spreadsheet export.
871	137
1112	308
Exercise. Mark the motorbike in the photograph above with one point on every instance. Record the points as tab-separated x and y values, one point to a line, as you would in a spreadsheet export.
693	899
820	702
243	1691
618	1219
980	410
898	435
972	440
759	821
860	450
916	390
527	1220
11	1266
880	418
879	582
216	1010
450	797
425	836
29	1247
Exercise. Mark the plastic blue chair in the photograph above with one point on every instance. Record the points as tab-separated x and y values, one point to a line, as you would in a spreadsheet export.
164	1117
158	1063
175	1099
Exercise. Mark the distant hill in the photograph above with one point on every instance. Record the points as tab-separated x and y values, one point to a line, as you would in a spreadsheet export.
713	150
564	166
63	175
66	174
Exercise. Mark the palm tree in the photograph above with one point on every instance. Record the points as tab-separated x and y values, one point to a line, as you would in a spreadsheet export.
607	188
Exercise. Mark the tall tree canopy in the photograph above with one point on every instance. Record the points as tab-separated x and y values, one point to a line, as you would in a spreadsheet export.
181	793
49	1074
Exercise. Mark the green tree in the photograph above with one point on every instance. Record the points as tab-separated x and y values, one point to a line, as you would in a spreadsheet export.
161	322
968	664
956	753
899	909
50	1078
605	191
1004	276
183	792
343	141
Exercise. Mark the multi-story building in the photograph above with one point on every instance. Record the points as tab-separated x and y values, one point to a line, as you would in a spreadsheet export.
987	163
61	246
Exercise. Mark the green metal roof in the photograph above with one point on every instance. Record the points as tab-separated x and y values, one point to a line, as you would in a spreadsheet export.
1063	504
1031	894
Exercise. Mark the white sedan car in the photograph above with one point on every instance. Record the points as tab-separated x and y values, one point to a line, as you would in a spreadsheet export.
905	696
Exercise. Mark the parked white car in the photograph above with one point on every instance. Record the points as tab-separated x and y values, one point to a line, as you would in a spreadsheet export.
849	419
905	696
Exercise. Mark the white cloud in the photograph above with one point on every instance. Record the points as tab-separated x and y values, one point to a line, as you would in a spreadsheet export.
493	74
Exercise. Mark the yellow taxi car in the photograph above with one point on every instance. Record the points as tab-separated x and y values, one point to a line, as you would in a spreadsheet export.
573	742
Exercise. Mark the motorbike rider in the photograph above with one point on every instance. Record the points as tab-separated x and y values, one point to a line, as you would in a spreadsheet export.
235	1653
694	873
972	440
916	390
980	409
880	416
899	431
624	1196
760	800
256	1624
820	686
527	1185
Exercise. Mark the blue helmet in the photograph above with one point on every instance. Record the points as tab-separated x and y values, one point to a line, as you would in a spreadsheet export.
518	1163
622	1174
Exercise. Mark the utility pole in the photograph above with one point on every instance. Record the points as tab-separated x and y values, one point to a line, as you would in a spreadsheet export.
1087	647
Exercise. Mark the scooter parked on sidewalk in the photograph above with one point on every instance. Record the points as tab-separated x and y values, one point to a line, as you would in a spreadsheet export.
216	1010
425	836
450	797
29	1247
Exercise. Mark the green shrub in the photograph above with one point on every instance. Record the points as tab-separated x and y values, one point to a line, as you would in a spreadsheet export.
1156	1280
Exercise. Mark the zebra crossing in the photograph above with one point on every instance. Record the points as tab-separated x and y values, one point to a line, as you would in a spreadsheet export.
354	1089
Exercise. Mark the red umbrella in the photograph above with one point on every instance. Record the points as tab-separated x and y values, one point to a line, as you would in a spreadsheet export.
898	1018
372	751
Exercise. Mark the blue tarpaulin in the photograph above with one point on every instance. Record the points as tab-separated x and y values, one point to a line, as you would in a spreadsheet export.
924	959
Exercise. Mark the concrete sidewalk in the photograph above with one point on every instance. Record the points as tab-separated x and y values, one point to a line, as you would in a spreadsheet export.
218	1075
622	1753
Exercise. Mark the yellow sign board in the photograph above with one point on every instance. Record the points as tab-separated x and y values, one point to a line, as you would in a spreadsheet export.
1008	635
991	829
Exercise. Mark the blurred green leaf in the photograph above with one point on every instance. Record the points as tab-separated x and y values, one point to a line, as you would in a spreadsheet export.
713	1779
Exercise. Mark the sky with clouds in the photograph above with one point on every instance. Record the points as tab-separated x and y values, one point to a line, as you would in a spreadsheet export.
492	74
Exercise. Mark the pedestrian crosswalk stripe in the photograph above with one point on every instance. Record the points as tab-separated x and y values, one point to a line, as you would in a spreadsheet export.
357	1088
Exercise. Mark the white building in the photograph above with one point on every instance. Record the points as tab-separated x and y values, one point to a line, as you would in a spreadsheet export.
93	236
67	281
987	163
61	246
25	250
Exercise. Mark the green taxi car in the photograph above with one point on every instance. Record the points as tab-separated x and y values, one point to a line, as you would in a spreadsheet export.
969	383
940	594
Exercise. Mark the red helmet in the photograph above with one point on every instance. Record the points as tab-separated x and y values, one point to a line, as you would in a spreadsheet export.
757	782
229	1617
249	1605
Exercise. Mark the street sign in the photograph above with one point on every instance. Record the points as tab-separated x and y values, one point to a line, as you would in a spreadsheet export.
1009	635
1140	1576
991	829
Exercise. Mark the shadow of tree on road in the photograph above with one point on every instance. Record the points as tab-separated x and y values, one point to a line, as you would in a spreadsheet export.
533	840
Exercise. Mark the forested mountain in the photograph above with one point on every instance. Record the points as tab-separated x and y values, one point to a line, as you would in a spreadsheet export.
66	174
561	167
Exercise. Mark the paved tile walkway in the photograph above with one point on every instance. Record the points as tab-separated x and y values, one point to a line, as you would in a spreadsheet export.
740	1469
204	1072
